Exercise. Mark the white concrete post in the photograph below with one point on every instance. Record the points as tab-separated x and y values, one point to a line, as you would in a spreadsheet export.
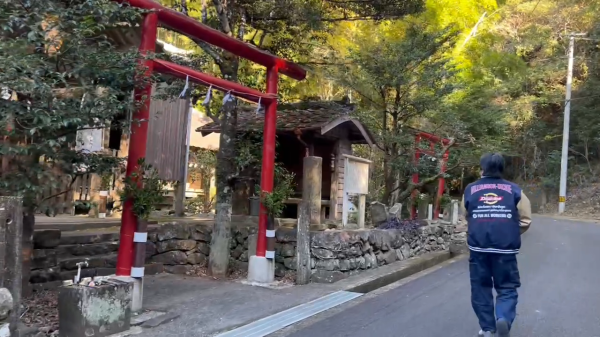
362	207
430	212
454	212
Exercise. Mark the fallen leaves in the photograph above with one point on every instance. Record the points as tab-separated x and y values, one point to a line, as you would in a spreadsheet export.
41	311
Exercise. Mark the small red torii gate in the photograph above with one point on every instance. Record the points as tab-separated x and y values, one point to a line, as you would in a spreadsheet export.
433	139
185	25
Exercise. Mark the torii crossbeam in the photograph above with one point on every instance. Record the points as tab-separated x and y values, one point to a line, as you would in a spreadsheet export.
185	25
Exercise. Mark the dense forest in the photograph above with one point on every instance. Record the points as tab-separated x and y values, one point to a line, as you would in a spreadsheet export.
489	75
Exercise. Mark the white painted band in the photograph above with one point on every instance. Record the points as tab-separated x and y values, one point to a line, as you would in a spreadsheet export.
140	237
270	233
102	215
104	193
137	271
270	254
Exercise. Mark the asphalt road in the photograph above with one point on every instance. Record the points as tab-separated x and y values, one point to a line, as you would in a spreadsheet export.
559	297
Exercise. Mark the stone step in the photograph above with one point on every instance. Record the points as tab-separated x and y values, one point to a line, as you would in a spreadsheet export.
99	261
86	238
79	226
93	236
82	224
84	250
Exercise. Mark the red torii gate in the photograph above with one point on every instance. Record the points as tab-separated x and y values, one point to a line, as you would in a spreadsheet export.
185	25
433	139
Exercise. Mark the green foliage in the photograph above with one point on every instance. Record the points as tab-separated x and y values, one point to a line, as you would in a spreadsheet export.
517	70
249	153
283	188
200	204
445	201
406	80
144	188
203	163
65	74
106	182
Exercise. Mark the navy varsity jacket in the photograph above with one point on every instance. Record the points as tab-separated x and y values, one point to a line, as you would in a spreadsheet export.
497	213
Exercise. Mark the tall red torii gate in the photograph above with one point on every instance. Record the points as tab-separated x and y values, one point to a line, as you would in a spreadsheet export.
433	139
185	25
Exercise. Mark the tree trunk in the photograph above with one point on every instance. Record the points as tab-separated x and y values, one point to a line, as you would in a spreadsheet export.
226	169
396	193
27	247
11	216
303	268
388	178
206	208
411	187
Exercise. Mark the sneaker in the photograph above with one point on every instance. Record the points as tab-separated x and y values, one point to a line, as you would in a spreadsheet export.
486	333
502	328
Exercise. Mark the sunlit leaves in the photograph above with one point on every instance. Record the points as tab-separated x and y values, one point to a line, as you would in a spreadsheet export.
66	75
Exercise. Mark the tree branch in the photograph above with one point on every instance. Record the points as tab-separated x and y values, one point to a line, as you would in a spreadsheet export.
210	114
242	27
222	13
63	192
411	186
251	40
184	8
204	12
208	49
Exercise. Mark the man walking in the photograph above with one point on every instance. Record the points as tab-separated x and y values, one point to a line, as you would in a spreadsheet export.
497	212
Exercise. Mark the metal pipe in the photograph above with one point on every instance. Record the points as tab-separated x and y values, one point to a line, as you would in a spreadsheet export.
564	158
137	143
415	178
236	89
268	159
441	186
190	27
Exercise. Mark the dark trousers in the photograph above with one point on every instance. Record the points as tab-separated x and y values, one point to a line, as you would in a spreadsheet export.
498	271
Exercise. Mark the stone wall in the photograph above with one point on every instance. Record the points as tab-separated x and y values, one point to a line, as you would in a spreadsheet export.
338	254
55	257
180	247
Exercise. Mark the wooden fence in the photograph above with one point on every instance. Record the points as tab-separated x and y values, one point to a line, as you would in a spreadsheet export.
57	202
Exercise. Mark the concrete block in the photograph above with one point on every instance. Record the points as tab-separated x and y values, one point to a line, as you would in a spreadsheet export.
95	311
261	270
137	299
252	239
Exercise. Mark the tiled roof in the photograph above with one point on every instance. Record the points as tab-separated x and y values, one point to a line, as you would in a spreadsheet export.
306	115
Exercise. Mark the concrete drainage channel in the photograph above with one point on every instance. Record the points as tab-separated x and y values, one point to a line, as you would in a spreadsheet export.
342	291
